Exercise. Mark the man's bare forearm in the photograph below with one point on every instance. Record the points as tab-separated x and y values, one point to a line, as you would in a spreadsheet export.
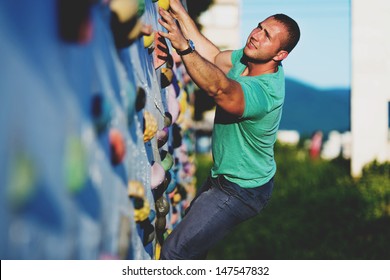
189	29
203	45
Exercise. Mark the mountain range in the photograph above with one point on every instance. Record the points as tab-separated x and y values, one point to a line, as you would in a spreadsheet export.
308	109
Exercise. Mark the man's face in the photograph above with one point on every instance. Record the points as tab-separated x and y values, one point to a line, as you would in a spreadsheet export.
265	40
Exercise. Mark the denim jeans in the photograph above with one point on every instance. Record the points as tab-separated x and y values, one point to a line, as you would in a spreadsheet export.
217	208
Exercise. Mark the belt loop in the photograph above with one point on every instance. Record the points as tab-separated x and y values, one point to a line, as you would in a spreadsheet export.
219	181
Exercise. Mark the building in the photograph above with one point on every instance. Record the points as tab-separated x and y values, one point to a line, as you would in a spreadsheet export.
221	23
370	90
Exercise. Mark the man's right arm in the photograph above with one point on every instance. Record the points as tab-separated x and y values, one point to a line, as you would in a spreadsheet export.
204	46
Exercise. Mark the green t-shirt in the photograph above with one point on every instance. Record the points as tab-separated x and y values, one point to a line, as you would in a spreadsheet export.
243	147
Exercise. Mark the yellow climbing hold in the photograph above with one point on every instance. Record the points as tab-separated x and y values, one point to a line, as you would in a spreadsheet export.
148	40
163	4
143	213
124	9
135	189
157	252
150	128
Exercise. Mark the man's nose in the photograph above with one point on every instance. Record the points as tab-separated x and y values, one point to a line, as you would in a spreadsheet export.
257	34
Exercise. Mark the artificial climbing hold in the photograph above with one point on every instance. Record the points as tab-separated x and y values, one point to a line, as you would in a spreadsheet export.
124	22
166	160
141	8
140	100
162	206
161	53
124	9
173	104
149	40
162	137
166	77
117	146
143	213
161	223
22	180
150	126
159	191
167	119
75	164
135	189
164	4
101	112
157	175
75	24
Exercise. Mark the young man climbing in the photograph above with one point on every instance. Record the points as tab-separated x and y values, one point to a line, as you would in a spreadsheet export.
248	88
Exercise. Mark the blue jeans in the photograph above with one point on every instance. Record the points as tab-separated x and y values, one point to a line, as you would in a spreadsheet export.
217	208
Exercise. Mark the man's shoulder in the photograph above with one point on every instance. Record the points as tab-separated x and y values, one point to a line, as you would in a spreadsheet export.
224	61
236	55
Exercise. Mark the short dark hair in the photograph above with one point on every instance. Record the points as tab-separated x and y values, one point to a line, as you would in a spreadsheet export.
293	31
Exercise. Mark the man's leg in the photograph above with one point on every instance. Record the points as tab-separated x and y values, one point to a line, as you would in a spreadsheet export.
204	188
212	215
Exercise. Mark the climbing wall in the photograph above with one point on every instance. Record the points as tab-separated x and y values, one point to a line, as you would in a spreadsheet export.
96	146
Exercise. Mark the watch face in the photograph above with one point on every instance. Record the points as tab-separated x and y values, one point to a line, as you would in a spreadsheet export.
191	44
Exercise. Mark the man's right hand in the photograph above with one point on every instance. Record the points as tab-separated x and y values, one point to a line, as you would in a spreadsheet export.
190	31
176	8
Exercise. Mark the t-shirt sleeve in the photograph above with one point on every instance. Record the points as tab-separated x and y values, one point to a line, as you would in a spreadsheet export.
257	102
236	56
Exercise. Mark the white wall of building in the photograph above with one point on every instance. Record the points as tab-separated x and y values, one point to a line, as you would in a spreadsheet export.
222	23
370	82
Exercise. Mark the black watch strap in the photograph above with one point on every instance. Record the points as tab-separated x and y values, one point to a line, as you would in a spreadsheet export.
190	49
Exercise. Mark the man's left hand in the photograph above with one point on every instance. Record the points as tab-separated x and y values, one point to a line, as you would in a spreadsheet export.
173	34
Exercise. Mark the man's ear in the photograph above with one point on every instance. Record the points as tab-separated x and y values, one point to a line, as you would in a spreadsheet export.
280	55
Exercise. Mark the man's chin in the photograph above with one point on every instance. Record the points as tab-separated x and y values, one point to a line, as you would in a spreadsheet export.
247	50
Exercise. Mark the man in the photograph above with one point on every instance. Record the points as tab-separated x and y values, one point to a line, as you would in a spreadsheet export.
248	88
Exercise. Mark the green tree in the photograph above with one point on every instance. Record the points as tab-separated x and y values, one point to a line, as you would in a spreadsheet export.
317	212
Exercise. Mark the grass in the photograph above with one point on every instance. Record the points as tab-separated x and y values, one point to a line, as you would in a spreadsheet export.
317	212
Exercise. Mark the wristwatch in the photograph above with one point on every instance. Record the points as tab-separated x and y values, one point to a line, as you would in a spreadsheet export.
191	48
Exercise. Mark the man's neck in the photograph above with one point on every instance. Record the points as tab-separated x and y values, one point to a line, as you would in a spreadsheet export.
259	68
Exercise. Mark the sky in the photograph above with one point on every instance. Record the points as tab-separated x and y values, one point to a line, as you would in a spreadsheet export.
322	57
